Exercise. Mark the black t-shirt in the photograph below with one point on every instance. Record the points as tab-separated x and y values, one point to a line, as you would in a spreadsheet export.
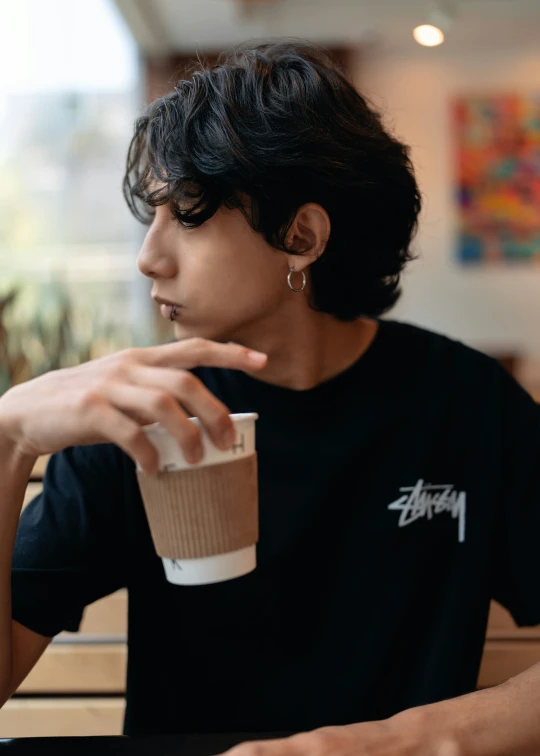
396	500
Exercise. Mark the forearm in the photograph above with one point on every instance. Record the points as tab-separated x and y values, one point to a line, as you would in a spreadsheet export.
499	721
15	470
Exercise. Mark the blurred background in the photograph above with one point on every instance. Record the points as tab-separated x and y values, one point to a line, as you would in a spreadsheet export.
459	81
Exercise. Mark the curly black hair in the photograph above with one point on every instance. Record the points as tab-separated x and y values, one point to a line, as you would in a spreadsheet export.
280	123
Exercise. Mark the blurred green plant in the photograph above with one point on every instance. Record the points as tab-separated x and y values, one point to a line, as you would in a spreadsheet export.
41	329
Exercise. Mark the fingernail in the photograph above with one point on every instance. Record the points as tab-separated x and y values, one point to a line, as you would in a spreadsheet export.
257	358
229	437
195	455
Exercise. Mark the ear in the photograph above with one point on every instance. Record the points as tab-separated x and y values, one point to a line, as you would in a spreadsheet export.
308	235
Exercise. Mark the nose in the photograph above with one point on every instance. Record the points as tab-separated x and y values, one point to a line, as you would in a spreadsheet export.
155	259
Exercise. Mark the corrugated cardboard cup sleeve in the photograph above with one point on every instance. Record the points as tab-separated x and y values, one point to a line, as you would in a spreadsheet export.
204	511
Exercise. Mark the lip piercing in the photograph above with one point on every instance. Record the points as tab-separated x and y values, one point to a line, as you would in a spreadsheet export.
173	313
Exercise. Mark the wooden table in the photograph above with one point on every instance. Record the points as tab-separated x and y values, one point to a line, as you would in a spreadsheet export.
167	745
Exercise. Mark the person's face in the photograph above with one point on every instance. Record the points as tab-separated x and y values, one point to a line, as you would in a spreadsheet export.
222	275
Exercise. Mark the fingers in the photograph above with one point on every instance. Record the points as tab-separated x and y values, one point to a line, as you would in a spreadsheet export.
193	396
153	384
122	431
158	406
197	352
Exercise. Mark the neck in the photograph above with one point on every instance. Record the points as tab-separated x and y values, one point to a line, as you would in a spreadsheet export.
306	348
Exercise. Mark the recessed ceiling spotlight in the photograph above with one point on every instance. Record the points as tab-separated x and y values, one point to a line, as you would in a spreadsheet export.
428	35
438	22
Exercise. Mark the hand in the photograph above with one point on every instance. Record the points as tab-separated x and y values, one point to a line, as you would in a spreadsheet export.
404	735
107	400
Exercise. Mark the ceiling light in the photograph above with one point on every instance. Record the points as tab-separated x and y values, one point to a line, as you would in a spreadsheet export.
437	23
428	35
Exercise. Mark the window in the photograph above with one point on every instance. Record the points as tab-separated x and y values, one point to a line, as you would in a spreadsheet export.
69	94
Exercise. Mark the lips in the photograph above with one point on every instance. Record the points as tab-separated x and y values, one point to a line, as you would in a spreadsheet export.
169	311
167	308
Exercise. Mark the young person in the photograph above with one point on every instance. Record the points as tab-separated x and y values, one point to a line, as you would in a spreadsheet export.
398	470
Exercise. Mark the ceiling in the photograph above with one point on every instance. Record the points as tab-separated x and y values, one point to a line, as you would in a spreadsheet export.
162	27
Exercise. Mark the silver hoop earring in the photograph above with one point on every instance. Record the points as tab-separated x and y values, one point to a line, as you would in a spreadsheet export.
289	280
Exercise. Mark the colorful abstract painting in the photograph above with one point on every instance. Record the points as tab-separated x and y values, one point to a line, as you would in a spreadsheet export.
498	164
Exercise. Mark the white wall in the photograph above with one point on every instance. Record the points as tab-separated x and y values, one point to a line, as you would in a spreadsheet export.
494	308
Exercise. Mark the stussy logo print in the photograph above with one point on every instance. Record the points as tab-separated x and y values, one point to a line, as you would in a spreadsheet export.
425	500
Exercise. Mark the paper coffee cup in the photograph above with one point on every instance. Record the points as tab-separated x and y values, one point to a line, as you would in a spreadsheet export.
204	517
